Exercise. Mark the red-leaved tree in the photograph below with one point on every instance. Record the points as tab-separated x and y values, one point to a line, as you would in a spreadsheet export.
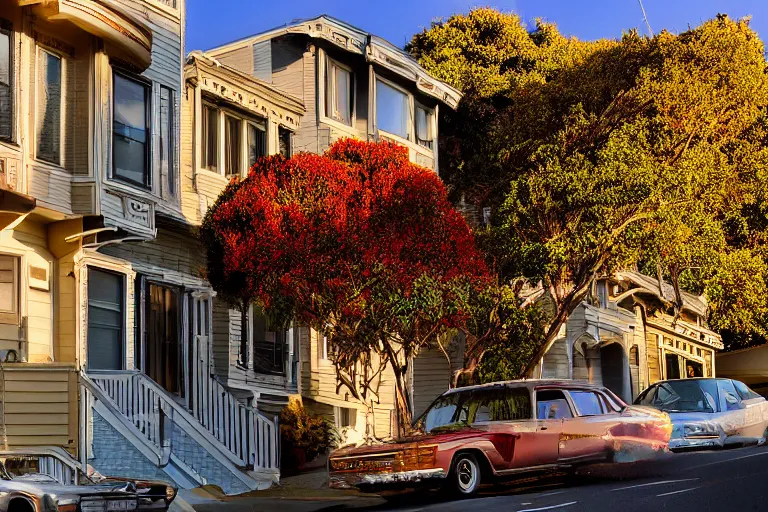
359	244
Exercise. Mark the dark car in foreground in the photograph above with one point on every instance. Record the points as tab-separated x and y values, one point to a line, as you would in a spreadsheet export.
22	489
479	434
709	412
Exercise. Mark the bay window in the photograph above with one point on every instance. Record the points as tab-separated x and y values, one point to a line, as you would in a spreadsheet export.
167	169
232	140
130	131
257	141
392	109
285	142
49	106
210	126
6	80
424	120
339	99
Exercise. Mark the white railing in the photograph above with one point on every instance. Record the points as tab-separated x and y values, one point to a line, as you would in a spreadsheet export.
245	436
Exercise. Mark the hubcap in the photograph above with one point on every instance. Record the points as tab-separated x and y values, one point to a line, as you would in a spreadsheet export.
467	473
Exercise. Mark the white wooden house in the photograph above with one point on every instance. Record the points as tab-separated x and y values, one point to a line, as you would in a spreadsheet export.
352	84
99	264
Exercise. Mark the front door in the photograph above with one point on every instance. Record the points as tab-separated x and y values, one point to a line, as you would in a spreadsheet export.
163	363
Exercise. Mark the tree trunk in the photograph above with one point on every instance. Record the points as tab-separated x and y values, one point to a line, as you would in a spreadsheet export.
402	401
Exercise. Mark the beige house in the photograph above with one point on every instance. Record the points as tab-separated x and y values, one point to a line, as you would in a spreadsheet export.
353	84
627	337
105	322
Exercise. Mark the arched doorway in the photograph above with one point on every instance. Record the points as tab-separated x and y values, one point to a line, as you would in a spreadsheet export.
612	367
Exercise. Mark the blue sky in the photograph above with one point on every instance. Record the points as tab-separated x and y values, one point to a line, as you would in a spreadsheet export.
213	22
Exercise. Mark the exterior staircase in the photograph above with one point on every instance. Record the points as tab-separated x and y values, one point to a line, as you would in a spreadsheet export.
137	429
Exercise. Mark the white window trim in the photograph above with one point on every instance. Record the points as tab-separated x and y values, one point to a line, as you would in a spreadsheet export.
324	62
410	139
39	48
431	121
223	112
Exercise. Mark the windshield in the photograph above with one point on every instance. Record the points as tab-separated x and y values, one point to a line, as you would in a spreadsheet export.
458	409
698	395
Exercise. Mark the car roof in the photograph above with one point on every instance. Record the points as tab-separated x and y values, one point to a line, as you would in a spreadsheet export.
690	378
530	384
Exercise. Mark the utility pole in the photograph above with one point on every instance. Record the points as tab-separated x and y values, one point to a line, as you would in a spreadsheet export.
645	18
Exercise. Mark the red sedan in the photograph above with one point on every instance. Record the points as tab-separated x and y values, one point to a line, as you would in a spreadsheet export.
478	434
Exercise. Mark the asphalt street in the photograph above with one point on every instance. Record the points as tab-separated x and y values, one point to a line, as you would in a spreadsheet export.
729	480
724	480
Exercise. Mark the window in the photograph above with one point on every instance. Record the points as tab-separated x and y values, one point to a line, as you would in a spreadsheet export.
338	92
552	405
424	120
672	366
345	417
586	402
499	404
682	396
257	141
130	148
269	346
392	110
322	347
744	392
729	398
9	290
49	106
167	169
284	140
232	140
441	413
210	141
105	320
6	80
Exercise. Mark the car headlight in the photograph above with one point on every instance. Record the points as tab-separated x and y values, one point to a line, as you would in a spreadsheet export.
700	429
66	504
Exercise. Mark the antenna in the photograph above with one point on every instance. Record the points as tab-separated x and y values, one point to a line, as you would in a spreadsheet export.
645	18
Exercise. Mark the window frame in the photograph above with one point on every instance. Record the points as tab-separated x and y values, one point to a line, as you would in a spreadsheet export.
329	78
410	124
238	140
566	397
430	121
171	178
6	26
43	49
147	85
123	278
12	317
283	130
205	107
248	122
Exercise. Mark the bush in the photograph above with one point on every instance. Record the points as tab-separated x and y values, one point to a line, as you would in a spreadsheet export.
303	437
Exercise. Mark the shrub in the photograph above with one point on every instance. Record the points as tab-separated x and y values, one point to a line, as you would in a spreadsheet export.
303	437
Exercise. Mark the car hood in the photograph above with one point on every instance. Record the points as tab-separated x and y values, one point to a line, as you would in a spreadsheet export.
114	489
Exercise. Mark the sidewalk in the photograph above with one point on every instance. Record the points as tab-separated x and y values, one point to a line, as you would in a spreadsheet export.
306	492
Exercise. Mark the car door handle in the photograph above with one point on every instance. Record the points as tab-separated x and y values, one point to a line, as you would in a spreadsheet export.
543	428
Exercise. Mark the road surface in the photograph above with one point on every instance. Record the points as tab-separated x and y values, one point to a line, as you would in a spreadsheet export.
722	480
702	481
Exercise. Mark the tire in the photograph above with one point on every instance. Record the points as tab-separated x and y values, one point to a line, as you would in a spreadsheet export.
465	476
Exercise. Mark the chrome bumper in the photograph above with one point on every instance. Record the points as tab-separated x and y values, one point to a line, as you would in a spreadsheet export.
350	480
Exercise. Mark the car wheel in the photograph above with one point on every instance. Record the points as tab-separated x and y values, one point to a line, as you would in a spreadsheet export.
465	475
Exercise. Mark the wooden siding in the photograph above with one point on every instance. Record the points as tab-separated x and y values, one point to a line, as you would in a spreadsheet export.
240	59
262	61
556	361
432	375
40	406
171	250
654	365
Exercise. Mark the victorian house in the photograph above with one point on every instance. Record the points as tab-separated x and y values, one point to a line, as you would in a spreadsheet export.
352	84
106	323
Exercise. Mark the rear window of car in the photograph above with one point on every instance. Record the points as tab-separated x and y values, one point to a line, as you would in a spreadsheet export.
586	402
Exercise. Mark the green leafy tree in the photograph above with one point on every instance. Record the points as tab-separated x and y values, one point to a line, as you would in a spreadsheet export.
605	155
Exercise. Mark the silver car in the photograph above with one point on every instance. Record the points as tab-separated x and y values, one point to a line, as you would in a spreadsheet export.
709	413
